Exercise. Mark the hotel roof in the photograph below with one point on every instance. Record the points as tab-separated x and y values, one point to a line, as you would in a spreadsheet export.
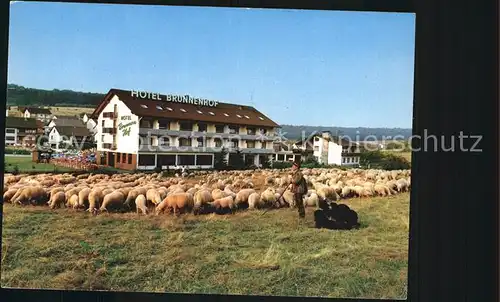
222	113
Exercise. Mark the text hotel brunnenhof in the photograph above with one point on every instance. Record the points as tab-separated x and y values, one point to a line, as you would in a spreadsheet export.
143	130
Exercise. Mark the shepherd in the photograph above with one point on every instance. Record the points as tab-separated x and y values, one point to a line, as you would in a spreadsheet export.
299	188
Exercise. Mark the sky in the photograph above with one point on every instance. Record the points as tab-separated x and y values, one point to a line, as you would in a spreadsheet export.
300	67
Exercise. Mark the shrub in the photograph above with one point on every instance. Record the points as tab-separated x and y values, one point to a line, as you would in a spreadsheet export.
282	165
380	160
15	171
17	151
220	162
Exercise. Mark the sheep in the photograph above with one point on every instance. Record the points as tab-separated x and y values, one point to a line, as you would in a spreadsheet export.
132	195
241	199
268	197
218	194
312	200
401	185
224	204
254	201
177	201
36	195
83	197
95	198
153	196
57	200
202	199
114	200
9	194
72	202
141	204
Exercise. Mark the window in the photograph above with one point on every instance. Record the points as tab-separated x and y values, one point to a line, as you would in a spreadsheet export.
102	123
200	141
261	118
169	109
159	107
247	117
219	128
145	124
166	160
129	159
199	111
233	143
218	142
203	160
263	145
226	114
164	124
144	106
316	148
238	115
164	142
186	126
251	131
146	160
316	139
250	144
211	113
124	158
186	160
263	131
234	129
184	142
202	127
102	137
183	110
118	155
281	157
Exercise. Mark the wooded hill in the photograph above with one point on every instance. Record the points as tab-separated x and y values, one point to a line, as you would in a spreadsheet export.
22	96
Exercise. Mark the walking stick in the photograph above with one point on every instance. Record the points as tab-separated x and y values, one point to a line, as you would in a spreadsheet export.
277	199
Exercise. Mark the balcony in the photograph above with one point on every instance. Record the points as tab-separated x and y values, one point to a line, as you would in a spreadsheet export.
191	149
109	130
176	133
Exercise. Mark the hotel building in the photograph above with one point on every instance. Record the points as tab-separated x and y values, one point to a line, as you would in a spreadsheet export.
143	131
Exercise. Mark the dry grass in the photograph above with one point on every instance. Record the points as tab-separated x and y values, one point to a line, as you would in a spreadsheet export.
248	253
71	111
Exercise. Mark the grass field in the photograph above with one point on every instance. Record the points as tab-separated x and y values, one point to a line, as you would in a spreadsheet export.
60	111
405	155
248	253
25	164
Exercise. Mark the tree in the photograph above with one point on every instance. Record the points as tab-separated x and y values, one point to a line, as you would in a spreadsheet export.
236	160
267	162
220	161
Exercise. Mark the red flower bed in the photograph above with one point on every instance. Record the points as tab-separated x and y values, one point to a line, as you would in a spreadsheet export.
75	163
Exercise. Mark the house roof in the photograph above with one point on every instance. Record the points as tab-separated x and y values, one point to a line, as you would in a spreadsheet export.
336	139
37	110
222	113
68	121
73	131
21	122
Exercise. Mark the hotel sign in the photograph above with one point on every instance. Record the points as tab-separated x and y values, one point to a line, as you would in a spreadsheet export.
186	99
125	128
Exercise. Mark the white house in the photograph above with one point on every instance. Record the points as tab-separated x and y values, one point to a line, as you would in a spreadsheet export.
160	131
330	150
64	135
41	114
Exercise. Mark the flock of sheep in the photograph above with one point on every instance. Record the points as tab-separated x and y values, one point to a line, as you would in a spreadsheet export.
200	192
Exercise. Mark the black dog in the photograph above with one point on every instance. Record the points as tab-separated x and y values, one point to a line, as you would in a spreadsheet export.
335	216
